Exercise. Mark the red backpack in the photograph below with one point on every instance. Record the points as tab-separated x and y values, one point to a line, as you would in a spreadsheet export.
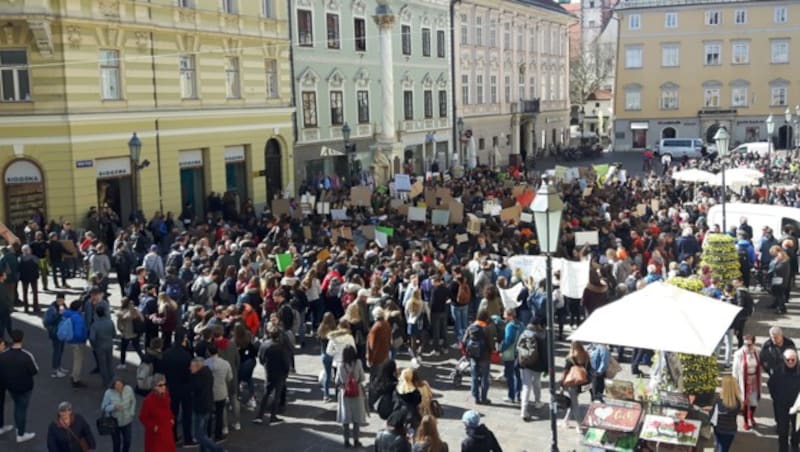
351	386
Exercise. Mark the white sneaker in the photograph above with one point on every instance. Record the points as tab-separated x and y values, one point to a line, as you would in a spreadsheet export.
251	404
26	437
237	426
61	374
121	367
5	429
63	371
54	374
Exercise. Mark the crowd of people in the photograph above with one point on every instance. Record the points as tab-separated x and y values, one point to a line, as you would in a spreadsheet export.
207	300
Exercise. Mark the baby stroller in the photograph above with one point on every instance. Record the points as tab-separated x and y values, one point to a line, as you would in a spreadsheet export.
461	368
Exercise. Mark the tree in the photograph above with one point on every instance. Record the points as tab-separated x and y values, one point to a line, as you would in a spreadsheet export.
589	71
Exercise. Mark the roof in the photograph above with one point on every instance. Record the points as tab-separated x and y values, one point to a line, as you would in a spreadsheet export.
549	5
637	4
600	94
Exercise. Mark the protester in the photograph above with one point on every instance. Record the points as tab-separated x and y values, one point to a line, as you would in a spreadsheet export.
29	277
175	364
101	336
724	413
52	319
70	432
427	438
223	375
532	361
379	339
784	387
130	324
479	344
747	372
17	369
573	380
351	411
771	355
6	306
156	418
119	402
72	330
326	326
479	437
382	388
276	359
508	350
393	437
202	390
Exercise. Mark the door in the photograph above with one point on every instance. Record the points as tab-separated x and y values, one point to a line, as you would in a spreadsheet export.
272	169
785	138
668	132
639	138
192	189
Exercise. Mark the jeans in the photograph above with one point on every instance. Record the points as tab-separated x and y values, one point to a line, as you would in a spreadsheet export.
104	360
121	438
275	387
219	419
640	356
5	321
59	267
598	386
724	441
531	382
459	314
181	404
438	330
21	401
574	407
58	353
200	424
525	316
513	379
787	432
246	369
123	347
327	364
480	379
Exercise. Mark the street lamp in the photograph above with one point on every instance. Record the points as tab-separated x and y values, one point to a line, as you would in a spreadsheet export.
722	138
135	151
346	138
460	128
581	118
770	129
547	209
787	115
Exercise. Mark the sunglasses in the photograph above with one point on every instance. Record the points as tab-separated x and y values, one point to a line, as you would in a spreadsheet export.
790	360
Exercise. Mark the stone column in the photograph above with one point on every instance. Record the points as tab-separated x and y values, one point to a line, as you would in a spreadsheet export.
515	144
384	18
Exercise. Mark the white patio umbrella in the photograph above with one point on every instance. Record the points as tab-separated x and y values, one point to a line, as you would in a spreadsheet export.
744	172
734	179
692	175
660	317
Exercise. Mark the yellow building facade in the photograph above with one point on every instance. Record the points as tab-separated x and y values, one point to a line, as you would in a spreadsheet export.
206	89
688	67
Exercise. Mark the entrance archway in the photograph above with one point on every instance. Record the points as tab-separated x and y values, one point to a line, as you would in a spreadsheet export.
272	169
710	132
669	132
23	189
785	137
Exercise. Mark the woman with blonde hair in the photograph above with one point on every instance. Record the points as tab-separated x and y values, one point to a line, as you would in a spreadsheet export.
168	318
724	413
415	312
577	357
428	439
326	326
408	398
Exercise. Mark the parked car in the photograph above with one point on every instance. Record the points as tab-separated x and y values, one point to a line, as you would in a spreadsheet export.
761	148
680	147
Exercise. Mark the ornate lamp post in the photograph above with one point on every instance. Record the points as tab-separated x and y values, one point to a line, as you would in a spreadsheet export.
770	129
722	138
135	152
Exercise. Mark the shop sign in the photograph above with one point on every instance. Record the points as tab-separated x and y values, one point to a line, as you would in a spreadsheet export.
84	163
190	159
234	154
669	123
22	172
113	167
640	126
615	415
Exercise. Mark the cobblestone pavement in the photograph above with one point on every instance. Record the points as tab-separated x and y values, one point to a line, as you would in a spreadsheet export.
310	424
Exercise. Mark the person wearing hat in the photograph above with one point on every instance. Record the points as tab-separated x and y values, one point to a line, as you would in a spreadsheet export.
479	437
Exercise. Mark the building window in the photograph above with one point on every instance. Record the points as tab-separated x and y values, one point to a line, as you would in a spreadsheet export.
670	55
442	103
492	89
740	16
521	85
426	42
779	96
713	51
408	105
634	22
465	89
464	29
633	57
779	49
109	75
741	52
230	7
669	98
671	20
185	3
271	73
441	43
532	88
427	97
305	28
713	18
14	83
332	26
232	82
521	39
478	31
268	8
362	102
309	109
337	108
188	77
360	31
479	89
711	97
492	34
781	15
532	41
507	88
633	99
507	35
739	96
405	36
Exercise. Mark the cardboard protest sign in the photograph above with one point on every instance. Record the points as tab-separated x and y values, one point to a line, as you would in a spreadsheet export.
395	203
69	245
571	174
461	238
430	197
518	190
525	198
443	193
440	217
526	217
416	214
307	232
10	237
280	207
402	182
368	231
474	227
416	189
456	212
560	172
641	210
510	213
655	204
347	232
323	255
323	208
360	196
586	238
403	210
338	214
587	192
283	261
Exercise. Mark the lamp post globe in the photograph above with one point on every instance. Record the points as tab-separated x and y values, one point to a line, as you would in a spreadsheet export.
770	122
787	115
346	132
135	148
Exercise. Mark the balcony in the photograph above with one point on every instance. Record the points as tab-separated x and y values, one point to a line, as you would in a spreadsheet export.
529	106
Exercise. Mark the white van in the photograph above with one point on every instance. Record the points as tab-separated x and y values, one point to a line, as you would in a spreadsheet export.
758	216
761	148
680	147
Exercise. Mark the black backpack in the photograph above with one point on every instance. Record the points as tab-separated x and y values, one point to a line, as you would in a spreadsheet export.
477	342
745	301
744	259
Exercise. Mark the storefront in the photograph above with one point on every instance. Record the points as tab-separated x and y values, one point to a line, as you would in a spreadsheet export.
639	134
115	188
192	178
24	194
236	175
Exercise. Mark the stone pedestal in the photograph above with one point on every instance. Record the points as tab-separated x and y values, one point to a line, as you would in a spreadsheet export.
387	160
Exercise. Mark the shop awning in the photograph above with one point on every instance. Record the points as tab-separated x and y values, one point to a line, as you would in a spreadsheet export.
640	126
330	152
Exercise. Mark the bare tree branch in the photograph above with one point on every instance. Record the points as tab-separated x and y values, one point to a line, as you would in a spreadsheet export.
589	71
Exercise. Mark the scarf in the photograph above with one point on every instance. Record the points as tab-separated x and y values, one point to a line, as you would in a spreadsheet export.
747	388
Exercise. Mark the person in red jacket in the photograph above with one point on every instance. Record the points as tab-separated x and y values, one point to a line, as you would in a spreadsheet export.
157	419
250	318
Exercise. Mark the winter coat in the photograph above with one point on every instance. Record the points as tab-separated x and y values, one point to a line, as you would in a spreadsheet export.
28	268
338	340
60	440
175	365
480	439
390	441
121	406
275	358
229	352
100	263
125	322
102	333
157	419
202	390
223	375
379	342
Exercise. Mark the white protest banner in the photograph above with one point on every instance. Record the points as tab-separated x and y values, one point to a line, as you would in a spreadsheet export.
323	208
586	238
416	214
461	238
381	239
574	277
526	217
338	214
402	182
440	217
509	296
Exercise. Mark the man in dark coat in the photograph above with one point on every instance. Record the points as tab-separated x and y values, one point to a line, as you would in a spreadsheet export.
276	359
479	437
202	390
771	355
175	362
784	385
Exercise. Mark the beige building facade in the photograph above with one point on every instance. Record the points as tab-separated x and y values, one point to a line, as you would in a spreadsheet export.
207	89
688	67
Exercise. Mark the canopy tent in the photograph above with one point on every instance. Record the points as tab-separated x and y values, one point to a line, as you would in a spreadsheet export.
330	152
693	175
660	317
737	178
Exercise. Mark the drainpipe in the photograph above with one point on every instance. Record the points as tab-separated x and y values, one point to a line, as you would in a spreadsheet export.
292	102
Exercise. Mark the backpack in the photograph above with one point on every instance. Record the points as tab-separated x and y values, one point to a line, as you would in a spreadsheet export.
528	351
351	386
464	295
334	287
745	301
744	259
175	289
200	293
385	405
144	376
476	341
64	330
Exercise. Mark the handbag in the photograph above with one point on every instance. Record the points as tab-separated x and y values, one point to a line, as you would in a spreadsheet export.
776	281
577	376
436	409
82	443
613	368
562	400
106	425
495	357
